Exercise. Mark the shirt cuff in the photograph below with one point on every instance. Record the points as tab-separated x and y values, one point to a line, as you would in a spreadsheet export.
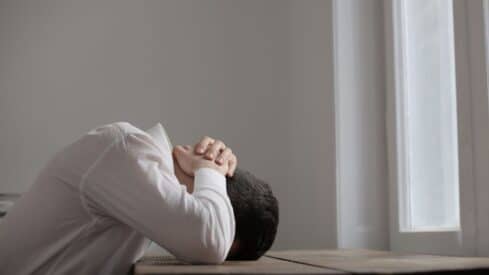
209	178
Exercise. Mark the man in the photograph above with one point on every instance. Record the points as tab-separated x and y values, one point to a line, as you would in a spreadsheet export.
97	204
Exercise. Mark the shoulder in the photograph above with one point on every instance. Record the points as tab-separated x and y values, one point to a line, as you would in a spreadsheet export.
134	145
131	138
118	130
122	127
121	136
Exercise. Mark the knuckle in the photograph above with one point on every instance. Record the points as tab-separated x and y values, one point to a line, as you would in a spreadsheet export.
206	139
225	156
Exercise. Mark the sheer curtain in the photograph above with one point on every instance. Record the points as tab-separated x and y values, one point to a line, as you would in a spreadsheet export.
429	192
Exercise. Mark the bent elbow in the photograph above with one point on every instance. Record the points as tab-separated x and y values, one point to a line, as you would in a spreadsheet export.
216	235
214	258
203	253
212	250
205	257
211	253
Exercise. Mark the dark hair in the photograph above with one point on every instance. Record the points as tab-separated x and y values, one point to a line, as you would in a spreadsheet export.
256	214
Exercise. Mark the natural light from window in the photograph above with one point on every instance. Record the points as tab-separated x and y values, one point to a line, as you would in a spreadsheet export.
428	146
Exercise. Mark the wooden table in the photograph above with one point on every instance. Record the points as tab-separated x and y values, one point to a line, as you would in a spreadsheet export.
324	262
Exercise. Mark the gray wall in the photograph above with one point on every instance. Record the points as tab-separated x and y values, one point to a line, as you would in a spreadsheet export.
257	74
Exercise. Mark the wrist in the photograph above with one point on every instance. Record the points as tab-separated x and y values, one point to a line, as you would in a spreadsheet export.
207	164
209	178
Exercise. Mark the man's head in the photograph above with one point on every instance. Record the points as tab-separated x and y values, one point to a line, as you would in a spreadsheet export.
256	214
255	207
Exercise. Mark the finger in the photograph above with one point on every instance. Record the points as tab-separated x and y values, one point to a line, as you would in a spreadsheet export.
233	163
202	145
187	147
224	156
214	150
178	151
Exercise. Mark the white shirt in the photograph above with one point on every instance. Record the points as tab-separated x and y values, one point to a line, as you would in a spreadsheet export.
97	202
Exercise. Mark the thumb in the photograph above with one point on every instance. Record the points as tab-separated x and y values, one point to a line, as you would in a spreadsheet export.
179	150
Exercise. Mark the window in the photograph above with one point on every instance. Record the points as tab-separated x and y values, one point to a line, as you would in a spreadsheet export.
430	127
428	164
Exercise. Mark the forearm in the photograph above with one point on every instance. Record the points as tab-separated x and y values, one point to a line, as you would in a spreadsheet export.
212	232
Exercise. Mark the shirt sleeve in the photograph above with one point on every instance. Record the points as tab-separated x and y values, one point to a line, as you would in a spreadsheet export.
132	183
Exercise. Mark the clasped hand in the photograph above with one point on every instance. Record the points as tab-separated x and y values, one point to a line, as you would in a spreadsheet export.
207	153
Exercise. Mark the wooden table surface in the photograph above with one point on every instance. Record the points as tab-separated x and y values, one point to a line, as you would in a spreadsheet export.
355	261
